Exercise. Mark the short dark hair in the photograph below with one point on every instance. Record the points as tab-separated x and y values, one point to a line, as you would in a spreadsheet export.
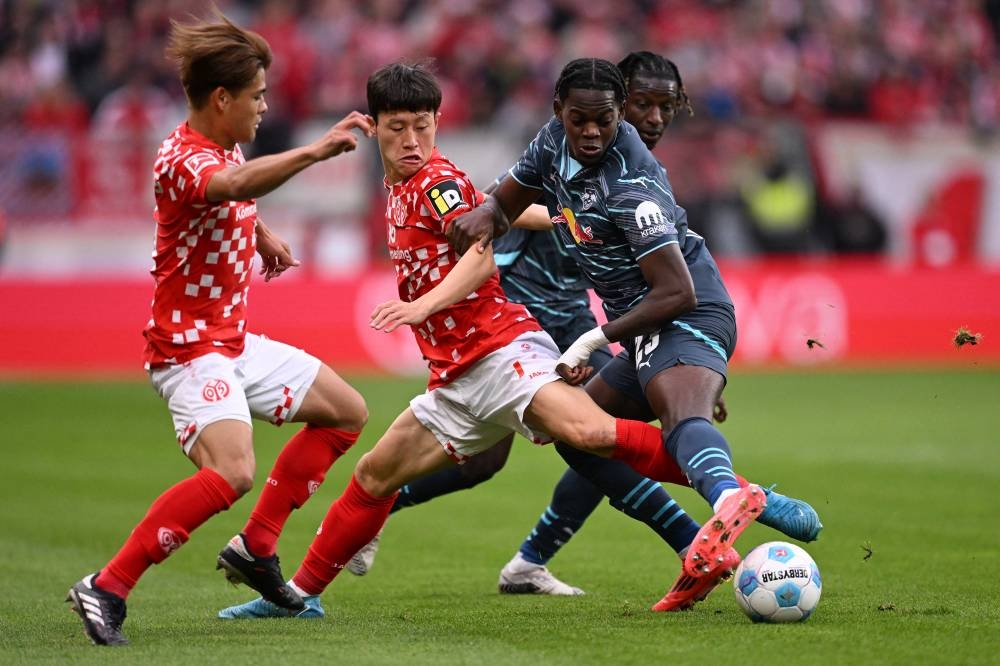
403	87
213	54
647	62
591	74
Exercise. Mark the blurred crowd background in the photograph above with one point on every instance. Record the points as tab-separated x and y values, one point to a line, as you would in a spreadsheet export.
85	82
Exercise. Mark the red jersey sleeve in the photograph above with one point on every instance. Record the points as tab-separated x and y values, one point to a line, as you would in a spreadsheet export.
447	197
189	177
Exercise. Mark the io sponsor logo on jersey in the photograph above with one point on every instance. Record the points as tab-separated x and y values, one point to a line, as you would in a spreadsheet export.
215	390
649	218
581	233
445	197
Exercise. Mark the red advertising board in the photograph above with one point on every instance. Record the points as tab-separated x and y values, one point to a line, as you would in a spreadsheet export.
794	313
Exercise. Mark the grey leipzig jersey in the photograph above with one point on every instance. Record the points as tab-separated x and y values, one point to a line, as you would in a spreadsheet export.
613	214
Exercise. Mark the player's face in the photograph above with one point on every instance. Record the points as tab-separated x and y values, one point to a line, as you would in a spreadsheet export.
405	141
245	109
651	105
591	120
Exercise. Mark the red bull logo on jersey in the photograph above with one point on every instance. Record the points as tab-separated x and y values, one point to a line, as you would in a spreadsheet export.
580	232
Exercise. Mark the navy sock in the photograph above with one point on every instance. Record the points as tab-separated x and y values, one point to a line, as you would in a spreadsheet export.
433	485
628	491
573	500
476	470
703	454
428	487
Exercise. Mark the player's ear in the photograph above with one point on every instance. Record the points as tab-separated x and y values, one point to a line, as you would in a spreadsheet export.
556	106
219	98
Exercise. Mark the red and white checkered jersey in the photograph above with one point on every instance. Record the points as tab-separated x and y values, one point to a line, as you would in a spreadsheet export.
204	254
418	213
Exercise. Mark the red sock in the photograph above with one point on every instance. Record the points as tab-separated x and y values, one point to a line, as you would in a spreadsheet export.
352	521
171	518
298	472
640	445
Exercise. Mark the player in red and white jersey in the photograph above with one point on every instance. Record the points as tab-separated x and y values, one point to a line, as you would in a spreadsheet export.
214	375
493	369
451	340
204	253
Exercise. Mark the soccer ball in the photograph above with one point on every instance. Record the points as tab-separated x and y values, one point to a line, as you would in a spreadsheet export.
777	582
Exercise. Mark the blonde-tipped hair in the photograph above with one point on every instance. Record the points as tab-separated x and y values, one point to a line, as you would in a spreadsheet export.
213	54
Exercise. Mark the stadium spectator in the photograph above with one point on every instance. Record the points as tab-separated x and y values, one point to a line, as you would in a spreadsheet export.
212	373
889	63
3	234
780	205
826	56
492	368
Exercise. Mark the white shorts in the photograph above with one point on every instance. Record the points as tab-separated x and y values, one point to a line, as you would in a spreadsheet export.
267	381
488	401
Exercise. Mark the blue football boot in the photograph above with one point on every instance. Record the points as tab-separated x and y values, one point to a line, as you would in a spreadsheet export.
792	517
262	608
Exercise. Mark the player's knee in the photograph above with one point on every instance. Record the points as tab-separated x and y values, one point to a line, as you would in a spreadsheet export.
482	467
239	478
355	414
373	477
476	471
348	412
587	435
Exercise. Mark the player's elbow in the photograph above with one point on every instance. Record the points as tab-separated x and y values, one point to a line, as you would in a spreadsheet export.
687	300
674	302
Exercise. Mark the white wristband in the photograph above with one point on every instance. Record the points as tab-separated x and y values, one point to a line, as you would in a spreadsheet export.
579	352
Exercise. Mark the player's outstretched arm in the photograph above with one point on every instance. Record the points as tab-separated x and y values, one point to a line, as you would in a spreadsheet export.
492	218
535	218
471	271
264	174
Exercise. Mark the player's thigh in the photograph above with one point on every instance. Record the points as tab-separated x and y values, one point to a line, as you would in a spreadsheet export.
466	417
332	402
278	380
683	367
407	450
683	392
569	415
616	390
199	393
482	466
227	448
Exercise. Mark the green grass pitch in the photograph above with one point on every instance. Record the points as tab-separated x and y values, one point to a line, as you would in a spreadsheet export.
903	466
